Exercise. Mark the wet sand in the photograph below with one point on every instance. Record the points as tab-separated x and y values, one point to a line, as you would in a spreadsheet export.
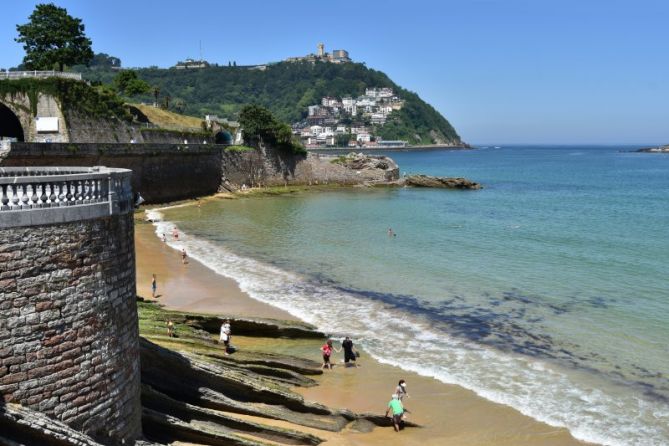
449	414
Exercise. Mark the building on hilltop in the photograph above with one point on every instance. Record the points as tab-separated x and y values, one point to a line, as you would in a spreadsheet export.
337	56
191	63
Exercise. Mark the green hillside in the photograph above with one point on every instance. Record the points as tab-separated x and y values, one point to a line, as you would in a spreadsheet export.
287	89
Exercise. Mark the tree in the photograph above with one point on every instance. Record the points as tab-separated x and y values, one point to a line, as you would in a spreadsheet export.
343	139
156	94
260	126
258	123
53	37
103	60
128	83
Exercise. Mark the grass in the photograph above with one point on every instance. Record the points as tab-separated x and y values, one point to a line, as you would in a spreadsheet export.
164	118
339	160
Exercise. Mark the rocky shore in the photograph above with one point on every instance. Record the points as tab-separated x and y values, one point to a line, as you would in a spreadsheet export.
384	171
193	392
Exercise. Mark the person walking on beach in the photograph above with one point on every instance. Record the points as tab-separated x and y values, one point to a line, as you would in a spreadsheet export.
395	405
350	353
225	335
184	256
164	238
170	328
153	285
327	352
401	390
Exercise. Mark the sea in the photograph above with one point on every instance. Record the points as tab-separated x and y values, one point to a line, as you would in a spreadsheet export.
546	291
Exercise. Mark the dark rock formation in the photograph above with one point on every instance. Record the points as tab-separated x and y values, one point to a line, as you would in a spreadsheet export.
660	149
438	182
22	426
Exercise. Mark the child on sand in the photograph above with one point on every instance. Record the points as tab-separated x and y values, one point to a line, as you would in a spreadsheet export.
153	285
170	328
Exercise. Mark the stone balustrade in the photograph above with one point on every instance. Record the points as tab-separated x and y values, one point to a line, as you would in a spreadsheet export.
47	195
39	74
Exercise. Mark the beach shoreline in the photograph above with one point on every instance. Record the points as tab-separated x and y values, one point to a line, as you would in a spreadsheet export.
448	413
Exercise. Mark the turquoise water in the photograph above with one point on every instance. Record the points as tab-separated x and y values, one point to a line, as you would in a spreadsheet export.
546	290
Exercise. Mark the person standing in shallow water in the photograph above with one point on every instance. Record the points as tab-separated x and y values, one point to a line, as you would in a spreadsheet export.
326	349
350	353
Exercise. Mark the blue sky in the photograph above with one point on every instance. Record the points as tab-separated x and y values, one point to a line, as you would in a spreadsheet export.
502	71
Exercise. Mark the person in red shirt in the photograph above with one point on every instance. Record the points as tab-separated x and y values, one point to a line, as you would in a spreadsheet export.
327	352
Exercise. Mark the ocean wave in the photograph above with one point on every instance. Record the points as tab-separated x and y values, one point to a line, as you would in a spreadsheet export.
613	415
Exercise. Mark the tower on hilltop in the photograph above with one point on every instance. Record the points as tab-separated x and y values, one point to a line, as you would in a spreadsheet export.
321	50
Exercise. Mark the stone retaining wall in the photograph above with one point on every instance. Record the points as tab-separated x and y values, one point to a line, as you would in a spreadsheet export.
170	172
161	172
68	324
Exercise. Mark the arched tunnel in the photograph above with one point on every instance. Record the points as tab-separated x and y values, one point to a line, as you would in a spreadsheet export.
10	126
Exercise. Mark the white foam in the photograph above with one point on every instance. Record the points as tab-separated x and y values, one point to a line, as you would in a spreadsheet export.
611	416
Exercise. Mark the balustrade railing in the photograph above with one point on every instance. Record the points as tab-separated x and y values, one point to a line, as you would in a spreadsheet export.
51	188
39	74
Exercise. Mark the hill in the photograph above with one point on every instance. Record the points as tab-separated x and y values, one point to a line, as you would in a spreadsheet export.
167	119
287	89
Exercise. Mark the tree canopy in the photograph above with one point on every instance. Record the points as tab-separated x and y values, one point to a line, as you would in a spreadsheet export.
260	125
128	83
53	38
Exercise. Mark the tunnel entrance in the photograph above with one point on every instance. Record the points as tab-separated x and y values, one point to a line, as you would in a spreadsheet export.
10	126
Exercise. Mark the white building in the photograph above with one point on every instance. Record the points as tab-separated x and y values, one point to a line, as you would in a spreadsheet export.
363	137
316	129
379	92
378	118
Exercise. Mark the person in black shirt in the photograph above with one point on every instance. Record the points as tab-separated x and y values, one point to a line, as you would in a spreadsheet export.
350	353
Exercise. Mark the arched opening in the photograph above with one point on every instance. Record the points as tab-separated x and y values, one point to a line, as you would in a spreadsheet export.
10	126
224	137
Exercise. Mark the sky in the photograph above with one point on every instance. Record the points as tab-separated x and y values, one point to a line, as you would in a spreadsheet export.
501	71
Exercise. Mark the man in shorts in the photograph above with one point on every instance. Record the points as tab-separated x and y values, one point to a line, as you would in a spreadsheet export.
395	405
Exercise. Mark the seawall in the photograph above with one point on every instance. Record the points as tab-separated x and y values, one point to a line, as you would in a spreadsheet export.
69	342
161	172
169	172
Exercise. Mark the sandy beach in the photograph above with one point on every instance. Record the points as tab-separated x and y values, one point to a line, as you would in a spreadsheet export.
448	414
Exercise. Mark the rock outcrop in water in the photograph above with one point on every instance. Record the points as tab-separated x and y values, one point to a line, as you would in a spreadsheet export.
660	149
438	182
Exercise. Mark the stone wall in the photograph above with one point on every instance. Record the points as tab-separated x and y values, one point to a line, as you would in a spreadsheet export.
170	172
68	324
161	172
274	168
47	106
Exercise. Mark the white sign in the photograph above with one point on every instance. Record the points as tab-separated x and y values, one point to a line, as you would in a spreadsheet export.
44	124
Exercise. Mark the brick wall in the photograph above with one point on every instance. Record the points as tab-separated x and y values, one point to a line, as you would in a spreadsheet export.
68	324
